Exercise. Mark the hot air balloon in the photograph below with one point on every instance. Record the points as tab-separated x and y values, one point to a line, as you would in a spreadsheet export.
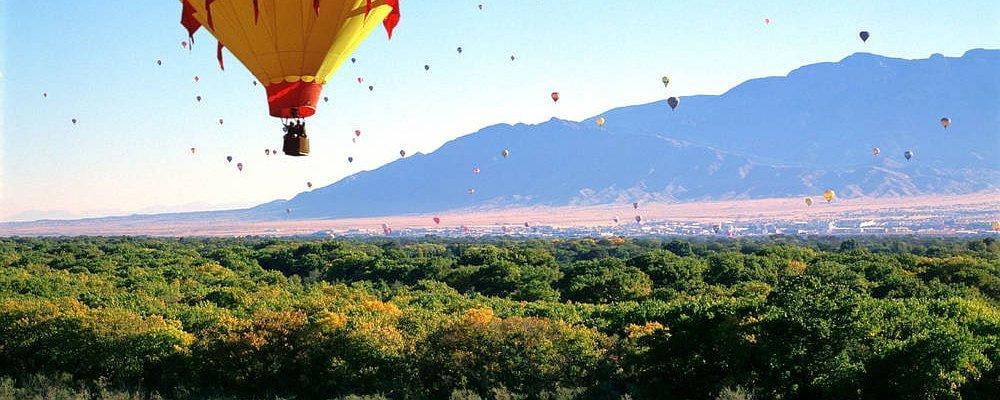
239	166
945	121
908	154
615	219
357	132
864	36
480	7
45	94
475	170
666	80
353	60
829	195
193	150
184	44
220	121
427	67
767	21
360	79
638	219
371	88
505	153
635	205
459	50
402	153
876	151
326	99
555	97
255	83
197	98
309	185
512	58
196	79
229	158
809	201
273	151
159	62
350	159
437	220
673	102
526	225
267	152
291	51
73	121
599	121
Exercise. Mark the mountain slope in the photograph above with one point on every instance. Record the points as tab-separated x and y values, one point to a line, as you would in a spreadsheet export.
769	137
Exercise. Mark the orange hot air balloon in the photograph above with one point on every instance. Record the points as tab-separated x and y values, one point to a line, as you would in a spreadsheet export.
293	47
555	97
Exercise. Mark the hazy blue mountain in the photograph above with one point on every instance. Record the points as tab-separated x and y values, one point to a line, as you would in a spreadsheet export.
778	136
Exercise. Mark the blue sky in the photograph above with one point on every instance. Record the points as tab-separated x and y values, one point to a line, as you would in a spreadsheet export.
129	151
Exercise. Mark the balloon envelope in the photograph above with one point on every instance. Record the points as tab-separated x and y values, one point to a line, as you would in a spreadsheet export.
829	195
945	122
292	46
864	36
555	96
600	121
673	102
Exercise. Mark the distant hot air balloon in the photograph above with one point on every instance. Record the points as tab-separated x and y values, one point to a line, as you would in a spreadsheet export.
273	151
193	150
437	220
505	153
945	121
471	191
357	132
360	79
638	219
402	153
239	166
326	99
220	121
908	154
309	185
512	58
459	50
267	152
615	219
196	79
259	33
371	88
526	225
829	195
255	83
159	62
767	21
288	211
74	121
666	80
809	201
353	60
600	121
635	205
555	97
350	159
475	170
876	151
673	102
45	94
864	36
480	7
184	44
197	98
229	158
427	67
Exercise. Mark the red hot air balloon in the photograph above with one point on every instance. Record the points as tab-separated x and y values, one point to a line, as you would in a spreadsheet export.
767	21
360	79
437	220
196	79
357	132
555	97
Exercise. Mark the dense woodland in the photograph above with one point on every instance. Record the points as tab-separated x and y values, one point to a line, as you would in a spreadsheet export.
779	317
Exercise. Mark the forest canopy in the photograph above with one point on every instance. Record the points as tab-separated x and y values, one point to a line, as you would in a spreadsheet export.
612	318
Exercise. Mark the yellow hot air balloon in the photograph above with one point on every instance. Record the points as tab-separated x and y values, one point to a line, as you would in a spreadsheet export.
829	195
600	121
291	46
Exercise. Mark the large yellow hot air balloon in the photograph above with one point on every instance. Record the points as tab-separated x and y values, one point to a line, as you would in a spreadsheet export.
291	46
829	195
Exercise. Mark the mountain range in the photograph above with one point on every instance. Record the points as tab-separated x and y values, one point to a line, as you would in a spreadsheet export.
793	135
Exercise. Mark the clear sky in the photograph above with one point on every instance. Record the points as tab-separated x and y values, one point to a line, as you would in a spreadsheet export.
129	152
